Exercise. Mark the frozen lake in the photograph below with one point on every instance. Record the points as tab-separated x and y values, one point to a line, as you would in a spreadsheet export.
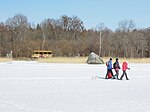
48	87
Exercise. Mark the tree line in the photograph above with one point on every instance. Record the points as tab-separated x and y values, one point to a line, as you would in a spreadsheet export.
67	36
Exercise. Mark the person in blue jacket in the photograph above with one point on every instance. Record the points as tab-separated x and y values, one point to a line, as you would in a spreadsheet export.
109	68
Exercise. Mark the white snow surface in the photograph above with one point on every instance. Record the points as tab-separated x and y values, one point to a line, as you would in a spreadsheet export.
50	87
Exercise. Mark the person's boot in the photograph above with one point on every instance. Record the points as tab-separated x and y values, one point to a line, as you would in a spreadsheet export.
113	77
121	78
117	77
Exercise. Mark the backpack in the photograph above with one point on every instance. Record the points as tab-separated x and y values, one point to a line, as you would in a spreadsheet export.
114	65
109	75
106	63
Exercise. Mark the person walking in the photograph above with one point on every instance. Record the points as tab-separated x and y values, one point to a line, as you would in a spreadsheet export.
109	68
116	67
124	68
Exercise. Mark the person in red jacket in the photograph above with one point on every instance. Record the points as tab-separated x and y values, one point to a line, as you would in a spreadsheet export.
124	68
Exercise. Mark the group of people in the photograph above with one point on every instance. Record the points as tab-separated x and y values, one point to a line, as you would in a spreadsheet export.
116	67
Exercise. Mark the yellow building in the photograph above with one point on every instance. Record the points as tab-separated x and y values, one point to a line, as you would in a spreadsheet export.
42	54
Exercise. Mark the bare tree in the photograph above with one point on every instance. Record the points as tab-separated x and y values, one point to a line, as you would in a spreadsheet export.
19	25
126	25
100	28
66	22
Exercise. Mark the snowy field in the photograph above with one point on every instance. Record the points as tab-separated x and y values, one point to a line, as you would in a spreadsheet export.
43	87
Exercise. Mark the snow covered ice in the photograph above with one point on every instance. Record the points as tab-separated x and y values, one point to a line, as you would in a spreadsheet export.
48	87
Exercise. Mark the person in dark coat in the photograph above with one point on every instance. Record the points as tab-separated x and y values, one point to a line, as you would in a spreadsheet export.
116	67
109	68
124	68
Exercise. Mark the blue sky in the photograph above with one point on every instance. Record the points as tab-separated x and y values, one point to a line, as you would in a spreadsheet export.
91	12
